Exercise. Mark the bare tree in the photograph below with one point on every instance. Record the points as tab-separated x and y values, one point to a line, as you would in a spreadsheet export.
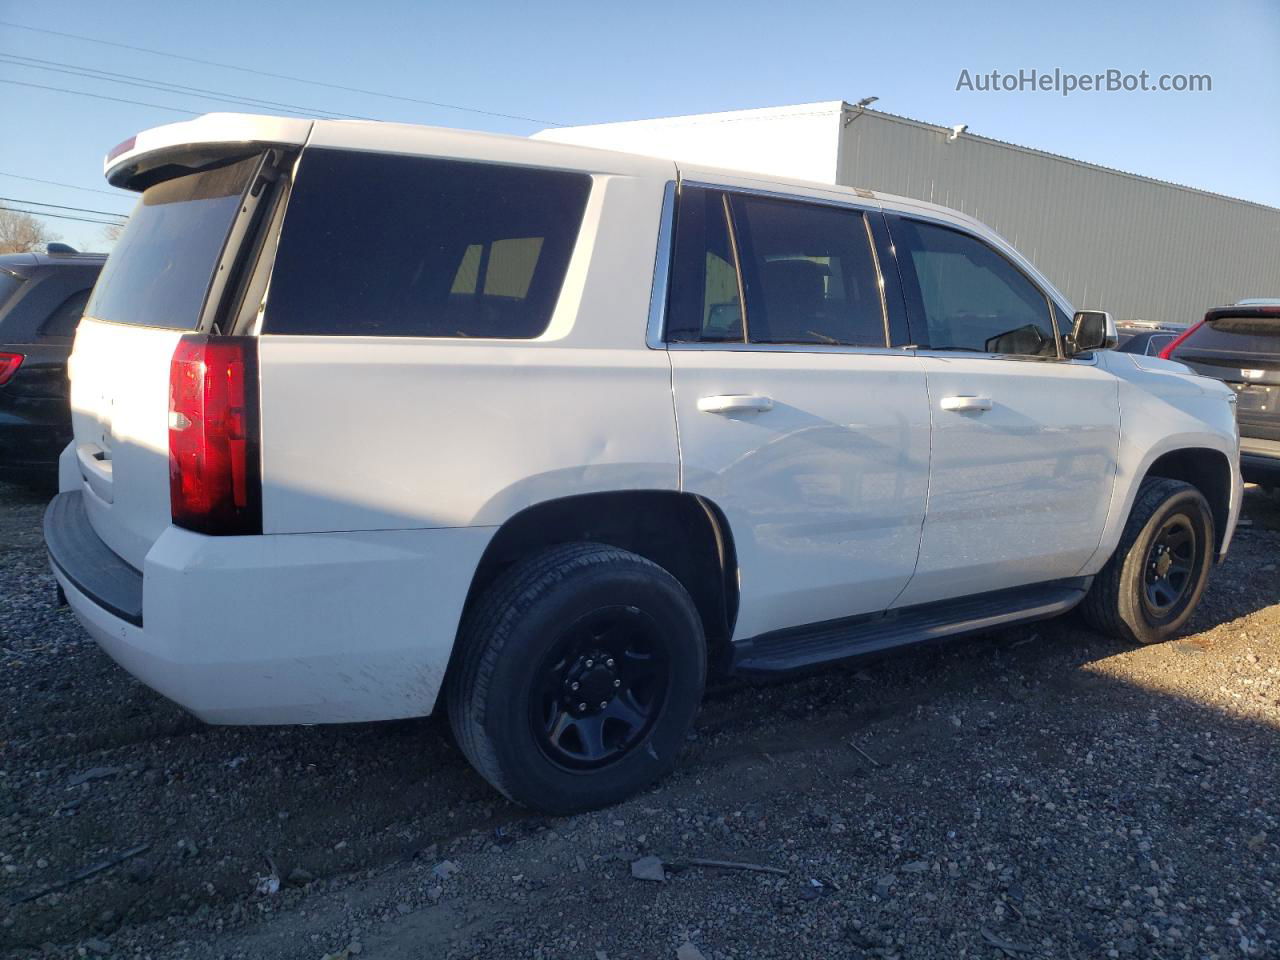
111	233
21	232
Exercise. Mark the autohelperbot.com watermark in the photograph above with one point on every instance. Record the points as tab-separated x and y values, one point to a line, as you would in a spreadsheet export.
1065	82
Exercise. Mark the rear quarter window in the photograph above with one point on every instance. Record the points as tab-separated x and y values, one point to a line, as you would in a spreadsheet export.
9	284
63	320
383	245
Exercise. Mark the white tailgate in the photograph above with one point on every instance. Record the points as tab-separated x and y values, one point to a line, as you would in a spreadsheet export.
120	412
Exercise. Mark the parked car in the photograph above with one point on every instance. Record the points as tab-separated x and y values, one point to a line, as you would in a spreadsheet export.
1145	338
547	433
41	299
1240	345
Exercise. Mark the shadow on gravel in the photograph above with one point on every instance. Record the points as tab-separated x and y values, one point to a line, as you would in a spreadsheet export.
1046	778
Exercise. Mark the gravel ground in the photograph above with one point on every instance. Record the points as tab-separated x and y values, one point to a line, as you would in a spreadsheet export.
1040	792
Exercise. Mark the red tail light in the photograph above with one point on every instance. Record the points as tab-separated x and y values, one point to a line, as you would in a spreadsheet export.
1167	352
9	364
215	482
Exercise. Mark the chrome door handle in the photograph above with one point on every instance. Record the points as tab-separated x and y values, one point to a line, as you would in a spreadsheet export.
966	404
735	403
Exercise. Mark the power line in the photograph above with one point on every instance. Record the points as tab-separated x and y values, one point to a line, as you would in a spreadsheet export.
279	76
99	96
58	206
93	73
69	186
63	216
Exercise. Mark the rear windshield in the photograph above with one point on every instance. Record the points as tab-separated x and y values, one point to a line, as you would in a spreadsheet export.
396	246
1235	335
159	272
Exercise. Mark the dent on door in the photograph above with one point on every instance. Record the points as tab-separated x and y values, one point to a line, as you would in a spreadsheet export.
819	463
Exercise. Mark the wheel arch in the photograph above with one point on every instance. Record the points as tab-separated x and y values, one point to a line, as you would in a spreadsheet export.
685	534
1206	469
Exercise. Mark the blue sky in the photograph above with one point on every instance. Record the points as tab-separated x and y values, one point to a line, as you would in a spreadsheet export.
575	62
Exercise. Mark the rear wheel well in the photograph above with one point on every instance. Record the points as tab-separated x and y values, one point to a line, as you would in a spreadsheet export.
1209	472
684	534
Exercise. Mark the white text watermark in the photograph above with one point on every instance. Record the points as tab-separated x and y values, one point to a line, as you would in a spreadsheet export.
1066	83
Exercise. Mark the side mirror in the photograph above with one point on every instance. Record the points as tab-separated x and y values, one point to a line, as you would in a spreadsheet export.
1091	330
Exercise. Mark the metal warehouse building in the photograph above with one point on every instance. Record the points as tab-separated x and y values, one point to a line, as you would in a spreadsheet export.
1141	248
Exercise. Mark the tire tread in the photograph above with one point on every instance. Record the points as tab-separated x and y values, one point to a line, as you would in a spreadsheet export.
1102	608
487	629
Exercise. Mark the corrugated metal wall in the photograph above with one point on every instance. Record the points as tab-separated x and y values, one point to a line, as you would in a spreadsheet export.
1137	247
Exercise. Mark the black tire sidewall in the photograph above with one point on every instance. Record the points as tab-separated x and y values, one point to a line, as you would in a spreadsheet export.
1133	611
532	777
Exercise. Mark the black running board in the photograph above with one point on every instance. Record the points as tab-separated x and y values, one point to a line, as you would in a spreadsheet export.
799	648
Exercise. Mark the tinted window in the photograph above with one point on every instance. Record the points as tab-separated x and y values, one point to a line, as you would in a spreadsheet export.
62	322
1235	335
969	296
159	272
809	274
418	247
703	302
9	284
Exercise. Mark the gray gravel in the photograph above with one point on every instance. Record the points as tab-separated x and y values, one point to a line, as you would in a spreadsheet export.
1041	792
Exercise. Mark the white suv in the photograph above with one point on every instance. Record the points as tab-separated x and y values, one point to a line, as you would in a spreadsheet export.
370	415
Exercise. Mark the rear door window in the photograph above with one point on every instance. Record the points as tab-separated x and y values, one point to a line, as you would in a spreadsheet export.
809	274
159	272
704	305
397	246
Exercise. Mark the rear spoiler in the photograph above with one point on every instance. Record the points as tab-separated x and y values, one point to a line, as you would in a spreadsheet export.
134	163
1248	311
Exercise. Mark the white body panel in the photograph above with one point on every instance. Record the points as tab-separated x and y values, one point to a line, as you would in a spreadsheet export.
295	629
1164	407
388	464
120	414
1019	483
436	432
825	490
802	141
448	434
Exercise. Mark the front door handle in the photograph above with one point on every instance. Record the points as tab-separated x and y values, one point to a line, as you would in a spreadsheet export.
735	403
966	404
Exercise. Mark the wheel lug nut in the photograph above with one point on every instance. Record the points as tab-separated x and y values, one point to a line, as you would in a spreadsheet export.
582	706
574	685
617	683
590	663
603	704
609	662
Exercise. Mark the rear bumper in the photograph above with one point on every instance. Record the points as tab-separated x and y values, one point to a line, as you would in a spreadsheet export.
299	628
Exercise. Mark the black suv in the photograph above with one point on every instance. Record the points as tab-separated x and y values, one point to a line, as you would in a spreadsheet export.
1240	345
42	296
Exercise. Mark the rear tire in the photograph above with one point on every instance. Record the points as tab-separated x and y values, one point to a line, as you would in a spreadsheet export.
579	673
1154	580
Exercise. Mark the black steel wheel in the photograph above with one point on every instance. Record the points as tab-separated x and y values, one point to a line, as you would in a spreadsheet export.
601	688
1154	580
578	676
1170	567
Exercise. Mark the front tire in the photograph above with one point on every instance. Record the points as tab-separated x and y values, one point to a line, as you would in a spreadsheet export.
579	674
1154	580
